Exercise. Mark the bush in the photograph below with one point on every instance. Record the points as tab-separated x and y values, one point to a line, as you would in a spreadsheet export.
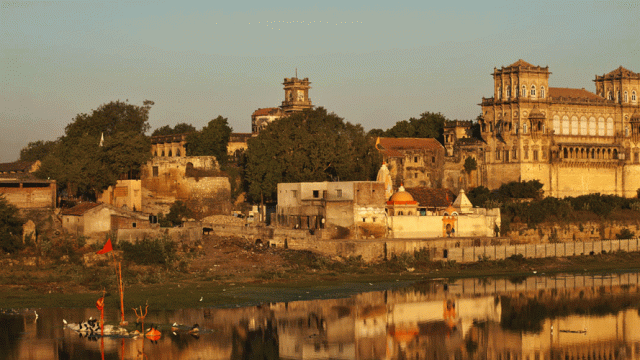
10	227
150	251
625	234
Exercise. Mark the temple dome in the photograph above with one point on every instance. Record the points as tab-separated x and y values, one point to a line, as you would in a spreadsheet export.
401	196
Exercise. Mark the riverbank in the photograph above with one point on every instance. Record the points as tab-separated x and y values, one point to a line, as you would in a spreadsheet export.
227	272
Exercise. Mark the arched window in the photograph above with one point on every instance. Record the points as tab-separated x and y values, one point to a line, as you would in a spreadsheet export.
178	152
633	96
601	127
499	93
566	153
583	126
609	96
533	90
542	92
162	153
626	96
593	126
618	97
508	92
566	125
524	91
524	128
556	124
170	153
609	127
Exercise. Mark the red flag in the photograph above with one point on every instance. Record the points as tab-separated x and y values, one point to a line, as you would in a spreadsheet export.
100	303
107	247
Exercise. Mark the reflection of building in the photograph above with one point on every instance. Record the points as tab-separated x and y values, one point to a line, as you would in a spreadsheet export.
562	136
343	208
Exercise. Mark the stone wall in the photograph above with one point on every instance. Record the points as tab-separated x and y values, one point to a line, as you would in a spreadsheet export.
194	180
30	195
184	234
498	252
556	232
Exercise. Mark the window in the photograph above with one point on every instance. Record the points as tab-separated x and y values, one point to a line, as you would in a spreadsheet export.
524	128
544	130
609	127
415	176
506	155
633	96
339	193
316	194
535	155
542	92
626	96
609	96
499	93
515	154
415	159
636	158
133	225
498	154
524	91
533	90
155	171
556	124
566	125
526	153
575	125
508	92
592	126
170	153
433	159
583	125
294	193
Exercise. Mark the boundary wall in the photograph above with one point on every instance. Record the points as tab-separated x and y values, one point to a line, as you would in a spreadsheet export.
563	249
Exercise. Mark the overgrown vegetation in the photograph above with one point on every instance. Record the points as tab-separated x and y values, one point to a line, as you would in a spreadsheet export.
10	226
522	202
178	211
159	251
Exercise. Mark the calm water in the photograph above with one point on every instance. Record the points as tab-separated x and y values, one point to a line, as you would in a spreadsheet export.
561	317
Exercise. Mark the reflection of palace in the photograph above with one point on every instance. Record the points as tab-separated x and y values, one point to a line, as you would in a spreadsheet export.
545	318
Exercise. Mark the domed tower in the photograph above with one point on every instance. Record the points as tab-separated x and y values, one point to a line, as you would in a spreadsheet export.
402	203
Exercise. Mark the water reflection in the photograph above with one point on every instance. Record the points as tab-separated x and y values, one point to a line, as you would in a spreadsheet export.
562	317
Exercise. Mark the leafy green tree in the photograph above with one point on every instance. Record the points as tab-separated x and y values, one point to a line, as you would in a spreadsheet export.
625	234
428	125
84	167
180	128
10	226
37	150
470	164
212	140
312	145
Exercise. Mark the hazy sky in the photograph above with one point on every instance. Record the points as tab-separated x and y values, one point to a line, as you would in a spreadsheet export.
372	63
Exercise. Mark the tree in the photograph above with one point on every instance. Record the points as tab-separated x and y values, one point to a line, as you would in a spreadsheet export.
10	226
83	167
312	145
429	125
470	164
180	128
212	140
37	150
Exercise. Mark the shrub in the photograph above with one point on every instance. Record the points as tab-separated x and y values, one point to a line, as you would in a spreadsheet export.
625	234
10	227
150	251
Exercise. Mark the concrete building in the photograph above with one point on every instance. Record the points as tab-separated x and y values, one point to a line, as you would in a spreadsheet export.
22	189
407	220
95	220
347	209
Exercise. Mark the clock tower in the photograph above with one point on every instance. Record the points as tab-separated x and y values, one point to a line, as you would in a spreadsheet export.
296	95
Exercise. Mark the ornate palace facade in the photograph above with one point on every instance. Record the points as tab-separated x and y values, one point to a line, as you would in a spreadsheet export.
572	140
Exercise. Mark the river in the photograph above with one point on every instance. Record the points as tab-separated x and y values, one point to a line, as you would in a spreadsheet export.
526	318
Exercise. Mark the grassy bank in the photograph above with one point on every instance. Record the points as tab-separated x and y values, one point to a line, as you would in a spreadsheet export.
300	276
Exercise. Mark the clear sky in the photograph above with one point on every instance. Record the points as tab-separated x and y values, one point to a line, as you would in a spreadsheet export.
372	63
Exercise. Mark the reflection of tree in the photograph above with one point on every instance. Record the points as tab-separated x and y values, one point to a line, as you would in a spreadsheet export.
11	325
260	344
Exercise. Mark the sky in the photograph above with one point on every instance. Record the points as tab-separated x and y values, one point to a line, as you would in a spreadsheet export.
372	63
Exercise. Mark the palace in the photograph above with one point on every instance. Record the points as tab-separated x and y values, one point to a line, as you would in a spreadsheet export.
573	141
